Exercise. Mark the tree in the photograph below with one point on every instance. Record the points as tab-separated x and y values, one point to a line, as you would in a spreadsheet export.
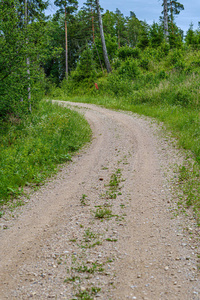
91	17
174	8
156	35
193	37
134	28
67	7
18	42
173	35
144	36
105	54
165	12
120	26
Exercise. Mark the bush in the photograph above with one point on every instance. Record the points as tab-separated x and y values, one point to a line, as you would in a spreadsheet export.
175	56
127	52
129	69
118	86
144	63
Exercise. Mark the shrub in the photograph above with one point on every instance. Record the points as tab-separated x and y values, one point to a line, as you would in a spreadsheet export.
144	63
126	52
129	69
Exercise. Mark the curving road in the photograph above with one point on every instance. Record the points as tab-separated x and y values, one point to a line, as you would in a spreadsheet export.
103	228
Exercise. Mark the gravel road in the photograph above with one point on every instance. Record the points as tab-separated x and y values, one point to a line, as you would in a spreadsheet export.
105	226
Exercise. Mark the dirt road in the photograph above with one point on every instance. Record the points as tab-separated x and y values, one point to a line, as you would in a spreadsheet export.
103	228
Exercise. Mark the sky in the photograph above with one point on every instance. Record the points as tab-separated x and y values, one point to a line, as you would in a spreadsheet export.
149	11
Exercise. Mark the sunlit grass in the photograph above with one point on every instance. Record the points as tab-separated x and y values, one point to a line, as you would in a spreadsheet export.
31	149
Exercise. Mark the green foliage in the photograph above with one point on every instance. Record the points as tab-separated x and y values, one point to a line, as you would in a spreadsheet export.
156	35
126	52
20	42
111	45
144	37
31	149
189	178
103	213
85	67
129	69
193	37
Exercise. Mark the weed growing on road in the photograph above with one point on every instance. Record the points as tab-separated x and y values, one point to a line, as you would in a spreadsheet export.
115	180
95	267
103	213
82	267
83	200
72	279
87	294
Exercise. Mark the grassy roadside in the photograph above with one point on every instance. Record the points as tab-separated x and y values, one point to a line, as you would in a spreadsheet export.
184	124
31	149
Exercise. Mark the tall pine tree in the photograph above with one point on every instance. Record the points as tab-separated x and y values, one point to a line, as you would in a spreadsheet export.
67	7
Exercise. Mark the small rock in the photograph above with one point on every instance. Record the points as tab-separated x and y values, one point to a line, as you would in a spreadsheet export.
139	276
83	288
166	268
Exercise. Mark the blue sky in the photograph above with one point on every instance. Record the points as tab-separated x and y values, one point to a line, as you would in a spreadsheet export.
150	10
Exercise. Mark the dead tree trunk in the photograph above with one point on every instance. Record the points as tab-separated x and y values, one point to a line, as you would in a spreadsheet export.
166	30
105	54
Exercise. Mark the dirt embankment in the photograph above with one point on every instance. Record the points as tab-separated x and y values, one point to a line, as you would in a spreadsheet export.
104	228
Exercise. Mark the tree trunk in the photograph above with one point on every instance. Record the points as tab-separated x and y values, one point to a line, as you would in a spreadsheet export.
27	59
172	18
66	47
92	23
105	54
166	31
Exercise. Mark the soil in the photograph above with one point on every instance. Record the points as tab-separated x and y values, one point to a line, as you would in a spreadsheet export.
106	227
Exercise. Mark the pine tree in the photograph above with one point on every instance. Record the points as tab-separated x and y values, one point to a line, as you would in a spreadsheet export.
134	28
174	8
67	7
120	26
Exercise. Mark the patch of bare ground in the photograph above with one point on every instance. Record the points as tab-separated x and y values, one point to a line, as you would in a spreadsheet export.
105	226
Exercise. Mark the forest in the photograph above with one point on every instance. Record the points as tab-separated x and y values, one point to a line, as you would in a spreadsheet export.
96	56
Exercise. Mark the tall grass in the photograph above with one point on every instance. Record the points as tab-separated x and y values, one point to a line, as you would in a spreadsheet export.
31	149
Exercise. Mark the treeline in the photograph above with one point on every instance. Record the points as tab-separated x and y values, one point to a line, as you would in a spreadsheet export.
84	42
37	51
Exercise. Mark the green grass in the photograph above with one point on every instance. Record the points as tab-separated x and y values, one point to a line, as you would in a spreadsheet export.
31	149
